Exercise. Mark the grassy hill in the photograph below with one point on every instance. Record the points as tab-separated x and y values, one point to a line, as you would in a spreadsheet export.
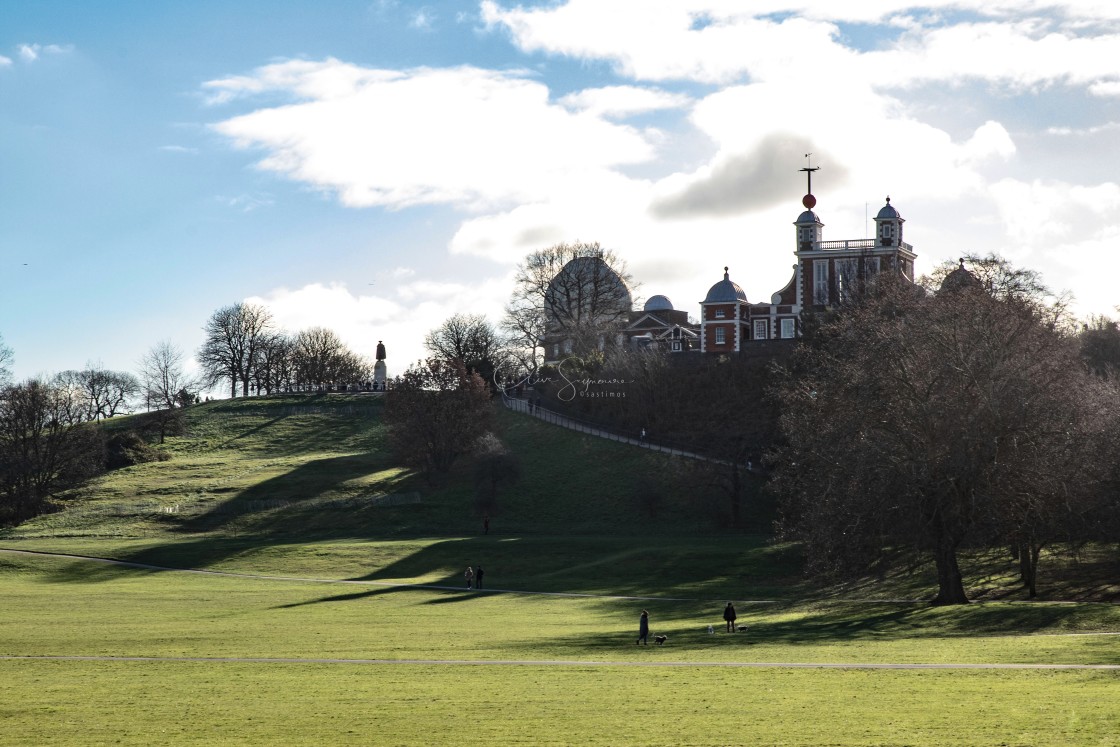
253	478
307	483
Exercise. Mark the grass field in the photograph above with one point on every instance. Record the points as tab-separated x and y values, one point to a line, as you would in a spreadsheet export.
370	639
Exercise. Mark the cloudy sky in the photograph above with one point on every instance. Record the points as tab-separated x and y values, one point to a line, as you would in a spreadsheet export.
376	166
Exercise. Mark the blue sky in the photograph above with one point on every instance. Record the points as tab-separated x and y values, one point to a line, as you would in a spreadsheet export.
375	167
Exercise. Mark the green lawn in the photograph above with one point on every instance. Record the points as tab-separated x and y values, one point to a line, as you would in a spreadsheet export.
62	607
305	489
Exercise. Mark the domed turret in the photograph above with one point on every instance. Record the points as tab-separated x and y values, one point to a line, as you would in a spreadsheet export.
658	303
725	291
888	225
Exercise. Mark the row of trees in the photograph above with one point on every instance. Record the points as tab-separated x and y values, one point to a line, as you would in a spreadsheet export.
244	349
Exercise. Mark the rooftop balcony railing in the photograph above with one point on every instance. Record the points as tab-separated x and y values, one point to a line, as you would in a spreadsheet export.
862	244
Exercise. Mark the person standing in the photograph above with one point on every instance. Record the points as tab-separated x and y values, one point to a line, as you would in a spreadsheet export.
486	525
643	628
478	577
729	617
469	576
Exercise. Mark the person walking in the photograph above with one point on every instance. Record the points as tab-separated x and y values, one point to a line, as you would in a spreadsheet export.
643	628
469	576
729	617
478	577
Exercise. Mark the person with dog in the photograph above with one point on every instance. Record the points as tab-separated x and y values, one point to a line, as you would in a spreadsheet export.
643	629
478	577
729	617
469	576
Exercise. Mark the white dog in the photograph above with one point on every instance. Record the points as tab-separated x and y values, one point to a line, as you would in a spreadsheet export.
711	630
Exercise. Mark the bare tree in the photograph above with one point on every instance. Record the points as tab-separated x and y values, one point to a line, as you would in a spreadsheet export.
472	339
579	293
46	445
234	335
275	368
6	360
167	388
104	393
921	424
320	357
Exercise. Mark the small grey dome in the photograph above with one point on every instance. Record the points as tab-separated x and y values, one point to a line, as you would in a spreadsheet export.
807	217
887	212
725	291
659	303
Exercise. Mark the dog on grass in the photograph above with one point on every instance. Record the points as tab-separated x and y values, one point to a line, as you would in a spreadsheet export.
711	630
742	628
660	639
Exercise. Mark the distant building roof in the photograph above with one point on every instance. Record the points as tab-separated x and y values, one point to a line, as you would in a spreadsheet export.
659	303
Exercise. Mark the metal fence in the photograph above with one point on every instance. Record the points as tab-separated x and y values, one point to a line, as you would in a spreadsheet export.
643	440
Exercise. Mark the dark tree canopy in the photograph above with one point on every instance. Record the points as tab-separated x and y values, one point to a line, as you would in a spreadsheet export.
1100	346
437	412
917	424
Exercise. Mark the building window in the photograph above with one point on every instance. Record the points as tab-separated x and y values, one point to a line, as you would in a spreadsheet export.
760	332
720	313
871	266
847	277
676	346
556	350
721	336
567	346
788	329
820	282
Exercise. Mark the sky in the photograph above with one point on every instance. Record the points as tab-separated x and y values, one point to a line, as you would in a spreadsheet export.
375	167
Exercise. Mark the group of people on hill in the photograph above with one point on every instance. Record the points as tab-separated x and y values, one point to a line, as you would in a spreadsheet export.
729	618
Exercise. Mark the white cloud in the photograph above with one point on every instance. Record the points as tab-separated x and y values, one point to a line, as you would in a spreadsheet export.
1038	213
5	61
623	101
464	136
246	203
422	20
31	52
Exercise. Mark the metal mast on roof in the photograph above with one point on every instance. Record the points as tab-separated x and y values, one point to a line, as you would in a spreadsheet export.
808	200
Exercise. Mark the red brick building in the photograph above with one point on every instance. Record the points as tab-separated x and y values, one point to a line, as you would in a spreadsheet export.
826	273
